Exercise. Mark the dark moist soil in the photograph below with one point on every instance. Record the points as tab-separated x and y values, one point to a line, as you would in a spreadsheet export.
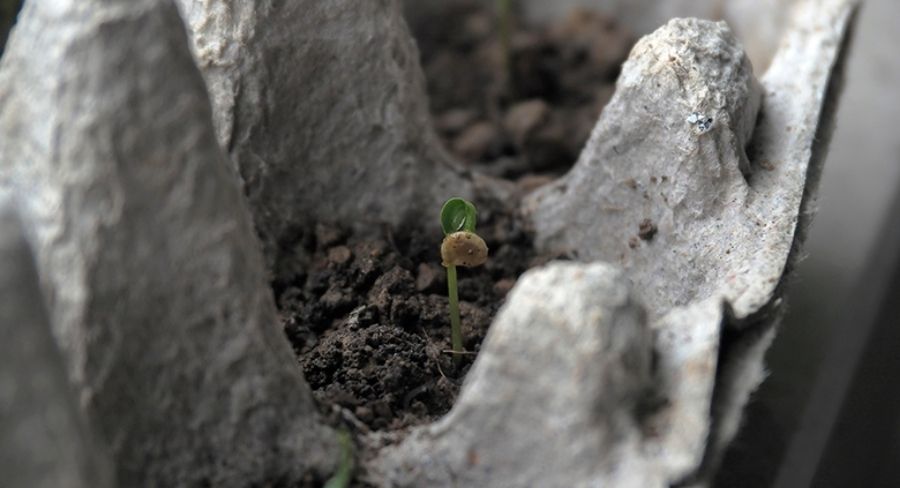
368	315
534	116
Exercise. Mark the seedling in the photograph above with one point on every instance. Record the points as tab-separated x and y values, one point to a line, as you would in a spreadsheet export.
504	16
461	247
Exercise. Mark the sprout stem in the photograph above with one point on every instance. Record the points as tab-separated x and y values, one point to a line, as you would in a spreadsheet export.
455	329
344	473
504	12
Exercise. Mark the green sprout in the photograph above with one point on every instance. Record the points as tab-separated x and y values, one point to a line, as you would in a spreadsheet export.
461	247
344	473
504	16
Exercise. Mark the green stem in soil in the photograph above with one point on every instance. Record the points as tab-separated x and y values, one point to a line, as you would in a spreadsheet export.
455	328
344	473
504	14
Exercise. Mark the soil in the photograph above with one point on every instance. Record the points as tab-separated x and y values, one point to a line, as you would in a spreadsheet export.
367	315
531	111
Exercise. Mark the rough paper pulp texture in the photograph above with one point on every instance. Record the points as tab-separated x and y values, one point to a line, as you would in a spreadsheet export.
723	167
647	160
45	441
155	282
322	107
728	204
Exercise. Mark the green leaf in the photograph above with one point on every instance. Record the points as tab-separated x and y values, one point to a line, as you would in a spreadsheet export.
456	215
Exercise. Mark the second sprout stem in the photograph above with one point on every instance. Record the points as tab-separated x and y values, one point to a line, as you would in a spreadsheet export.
504	12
